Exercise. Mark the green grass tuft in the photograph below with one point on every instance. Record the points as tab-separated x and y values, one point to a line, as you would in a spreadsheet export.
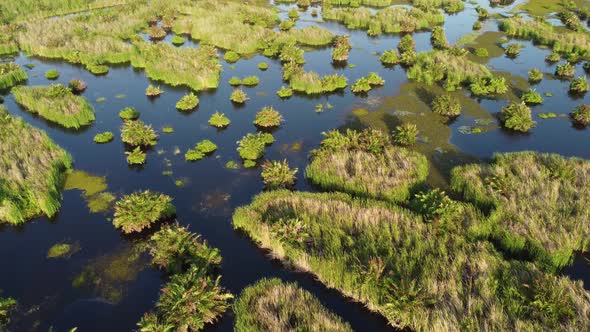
141	209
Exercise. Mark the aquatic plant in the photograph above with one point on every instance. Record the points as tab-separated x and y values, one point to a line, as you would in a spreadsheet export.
193	155
271	305
517	117
250	81
293	14
435	206
311	83
438	38
201	150
481	52
187	302
7	306
235	81
103	137
231	57
277	174
238	96
361	86
553	57
476	25
129	113
406	44
153	91
531	97
177	40
251	147
341	48
77	85
489	86
292	53
52	74
188	102
11	74
263	65
55	103
310	36
136	156
581	115
535	75
389	57
62	250
579	85
366	164
406	134
137	133
167	129
286	25
141	209
155	32
571	20
268	117
446	105
285	92
219	120
173	248
513	50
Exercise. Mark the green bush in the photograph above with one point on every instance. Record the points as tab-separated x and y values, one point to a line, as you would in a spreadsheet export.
231	57
177	40
263	65
141	209
277	174
581	115
285	92
283	307
250	81
235	81
446	105
238	96
389	57
513	50
152	91
531	97
488	86
188	103
105	137
565	70
129	113
406	134
219	120
52	74
517	117
137	133
579	85
136	156
251	147
535	75
481	52
268	117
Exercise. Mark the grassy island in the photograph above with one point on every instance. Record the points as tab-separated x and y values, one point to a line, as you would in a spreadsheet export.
55	103
140	210
11	74
32	174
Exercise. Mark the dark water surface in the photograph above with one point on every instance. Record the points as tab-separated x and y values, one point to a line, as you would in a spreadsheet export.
44	287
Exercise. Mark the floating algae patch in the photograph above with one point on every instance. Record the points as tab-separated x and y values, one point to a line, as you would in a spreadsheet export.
215	203
32	174
101	202
63	250
93	189
109	275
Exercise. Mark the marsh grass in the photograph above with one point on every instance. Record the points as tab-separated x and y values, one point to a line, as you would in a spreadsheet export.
77	86
104	137
251	147
285	92
32	173
446	105
579	85
55	103
11	74
531	97
136	156
517	117
389	57
268	117
535	76
581	115
565	70
406	134
141	209
366	164
277	174
201	150
188	103
137	133
153	91
341	48
129	113
311	83
219	120
238	96
271	305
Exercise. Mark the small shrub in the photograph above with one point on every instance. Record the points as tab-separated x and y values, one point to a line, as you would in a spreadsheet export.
389	57
238	96
476	25
581	115
406	134
361	86
137	133
531	97
52	74
235	81
565	70
553	57
152	91
136	156
285	92
77	86
263	66
434	205
219	120
251	146
141	209
446	105
535	75
517	117
277	174
293	14
513	50
579	85
231	57
268	117
129	113
177	40
250	81
188	103
105	137
481	52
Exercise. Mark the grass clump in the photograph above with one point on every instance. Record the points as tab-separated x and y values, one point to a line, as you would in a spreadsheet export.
52	74
62	250
535	75
341	48
188	103
238	96
389	57
129	113
156	33
251	147
553	57
565	70
141	209
481	52
517	117
104	137
235	81
531	97
11	74
513	50
579	85
581	115
446	105
271	305
231	57
250	81
311	83
153	91
136	156
55	103
137	133
7	306
277	174
219	120
286	25
285	92
366	164
32	173
528	194
489	86
438	38
201	150
268	117
77	85
177	40
263	65
406	134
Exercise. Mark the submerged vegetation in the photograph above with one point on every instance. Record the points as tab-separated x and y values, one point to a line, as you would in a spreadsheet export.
32	174
55	103
140	210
